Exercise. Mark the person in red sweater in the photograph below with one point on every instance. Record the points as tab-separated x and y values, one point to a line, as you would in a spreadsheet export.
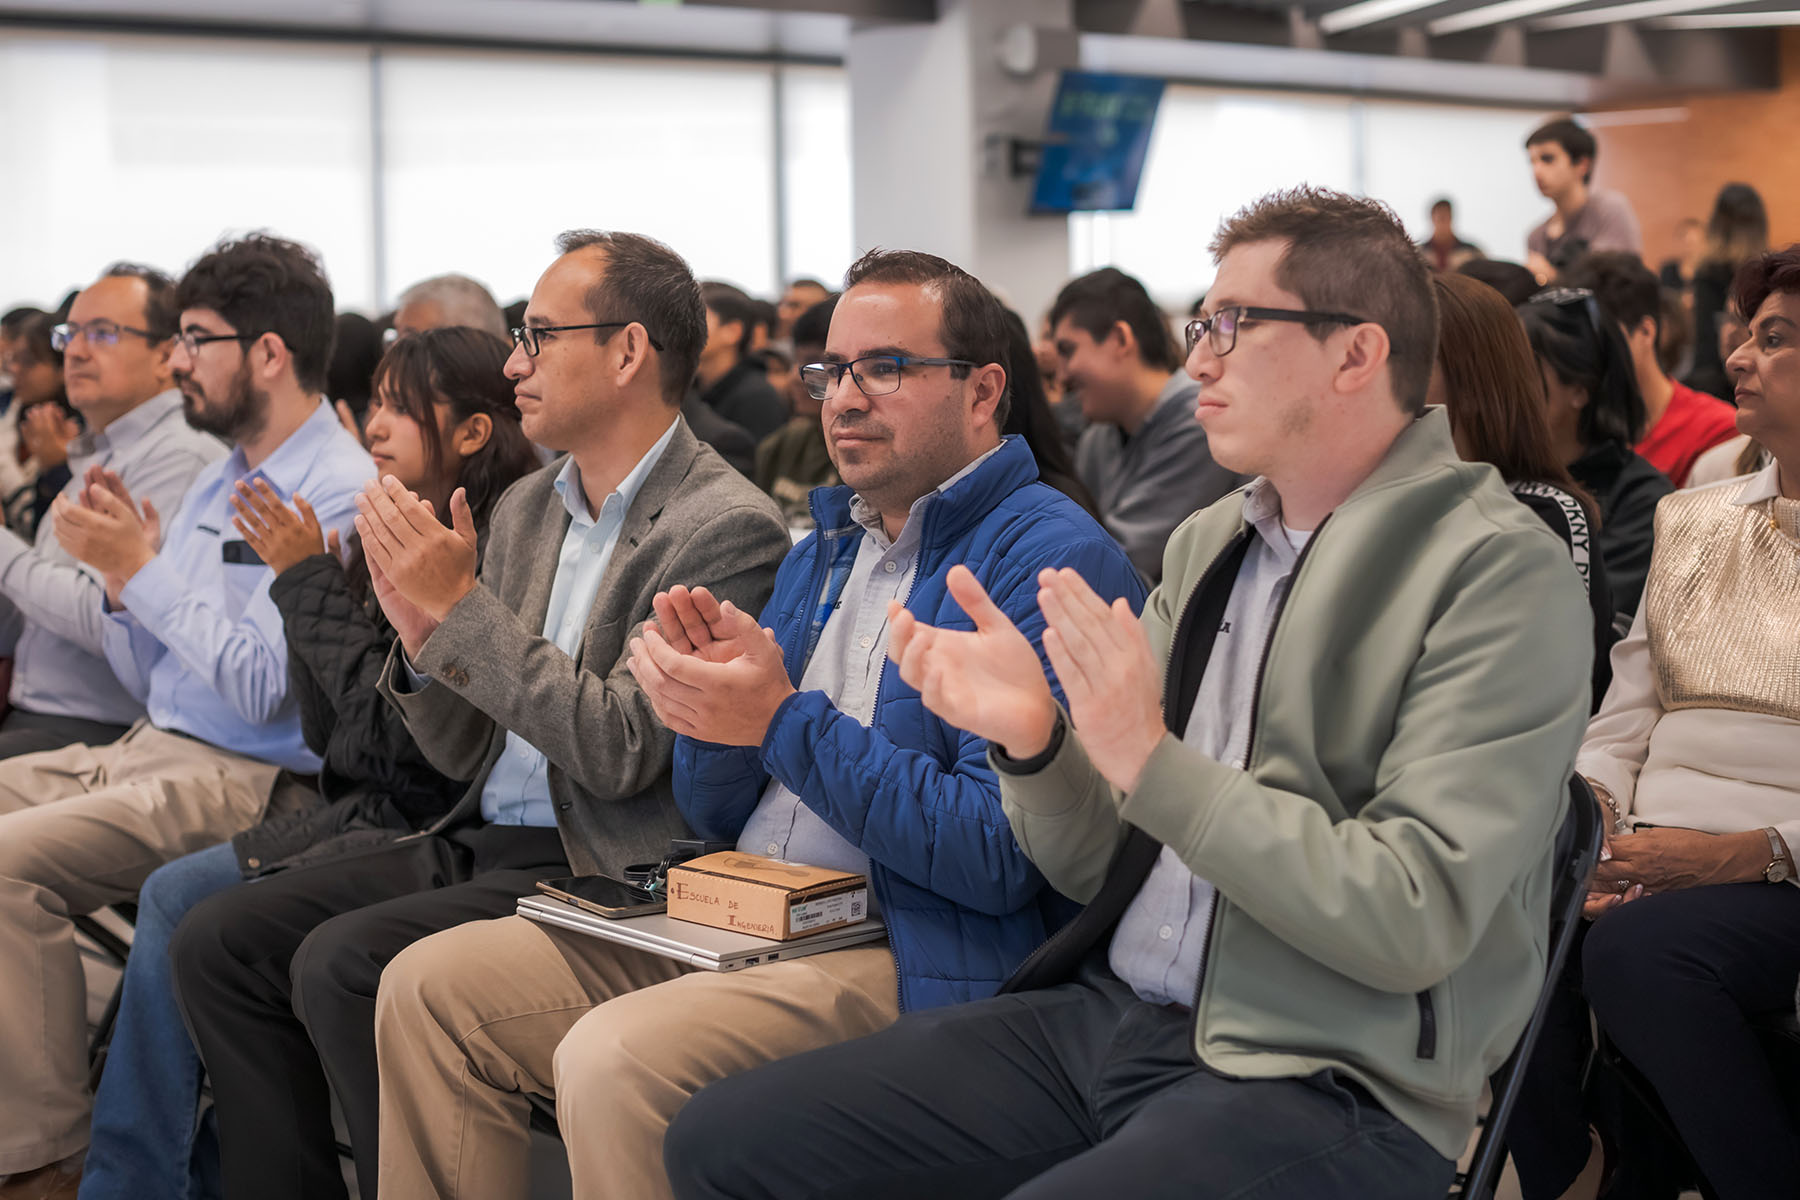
1682	423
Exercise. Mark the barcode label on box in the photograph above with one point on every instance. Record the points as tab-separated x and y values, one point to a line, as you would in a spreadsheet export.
843	908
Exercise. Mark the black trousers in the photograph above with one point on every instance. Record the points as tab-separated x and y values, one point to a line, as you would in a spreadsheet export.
1075	1091
1674	980
28	733
277	983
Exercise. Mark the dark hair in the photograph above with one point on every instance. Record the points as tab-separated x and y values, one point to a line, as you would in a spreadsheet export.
1739	226
1442	202
263	284
1352	255
14	318
1495	399
1576	142
33	333
1761	277
1032	419
462	368
813	327
1511	280
1674	332
809	282
972	324
162	315
649	283
731	303
1628	291
1587	350
356	353
1098	301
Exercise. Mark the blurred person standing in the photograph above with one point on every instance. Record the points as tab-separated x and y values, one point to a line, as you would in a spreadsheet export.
1445	249
1587	218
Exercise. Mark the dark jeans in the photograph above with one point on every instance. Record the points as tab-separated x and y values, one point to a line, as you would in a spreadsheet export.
1675	981
277	983
28	733
1075	1091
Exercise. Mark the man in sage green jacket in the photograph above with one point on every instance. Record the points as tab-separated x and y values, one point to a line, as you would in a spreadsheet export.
1310	801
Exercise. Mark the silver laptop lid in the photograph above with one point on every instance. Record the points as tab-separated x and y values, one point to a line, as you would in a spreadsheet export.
687	941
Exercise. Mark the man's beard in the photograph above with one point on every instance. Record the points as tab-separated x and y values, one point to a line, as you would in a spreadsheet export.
237	417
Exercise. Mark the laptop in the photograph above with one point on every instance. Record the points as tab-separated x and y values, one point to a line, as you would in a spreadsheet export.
689	942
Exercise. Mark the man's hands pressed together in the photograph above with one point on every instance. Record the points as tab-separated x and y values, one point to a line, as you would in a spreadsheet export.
419	569
107	530
709	671
989	681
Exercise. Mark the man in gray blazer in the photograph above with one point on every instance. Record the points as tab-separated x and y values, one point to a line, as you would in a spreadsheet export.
513	678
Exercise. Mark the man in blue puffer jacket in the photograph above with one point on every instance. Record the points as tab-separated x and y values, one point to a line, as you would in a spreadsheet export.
803	743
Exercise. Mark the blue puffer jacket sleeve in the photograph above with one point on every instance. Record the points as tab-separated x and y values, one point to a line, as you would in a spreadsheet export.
929	809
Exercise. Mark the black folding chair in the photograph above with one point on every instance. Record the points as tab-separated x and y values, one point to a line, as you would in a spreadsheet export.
117	949
1577	849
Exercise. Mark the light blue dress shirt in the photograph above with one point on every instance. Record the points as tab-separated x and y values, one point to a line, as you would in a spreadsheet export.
517	791
200	643
1160	941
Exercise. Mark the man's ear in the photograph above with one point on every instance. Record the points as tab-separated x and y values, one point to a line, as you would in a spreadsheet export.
1366	353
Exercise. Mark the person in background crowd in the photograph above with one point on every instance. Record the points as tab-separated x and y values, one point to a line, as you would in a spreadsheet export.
1316	857
800	743
1064	404
348	380
1679	423
1675	336
511	677
12	471
795	459
1695	760
1445	250
448	300
731	385
1677	273
1596	414
116	348
1508	278
1487	380
443	419
1586	218
801	295
191	633
1737	231
1143	456
45	424
1029	415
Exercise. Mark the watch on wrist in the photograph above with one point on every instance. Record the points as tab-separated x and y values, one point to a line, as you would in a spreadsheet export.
1779	868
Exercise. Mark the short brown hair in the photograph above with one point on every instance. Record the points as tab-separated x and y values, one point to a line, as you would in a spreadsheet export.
972	324
1761	277
1347	254
649	283
1495	396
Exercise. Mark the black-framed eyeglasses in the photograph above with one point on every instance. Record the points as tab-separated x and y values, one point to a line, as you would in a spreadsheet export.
190	341
875	374
1221	329
531	337
99	332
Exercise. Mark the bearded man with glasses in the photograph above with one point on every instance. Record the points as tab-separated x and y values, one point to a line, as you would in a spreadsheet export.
115	348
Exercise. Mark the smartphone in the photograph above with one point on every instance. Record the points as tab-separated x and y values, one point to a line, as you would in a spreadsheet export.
604	896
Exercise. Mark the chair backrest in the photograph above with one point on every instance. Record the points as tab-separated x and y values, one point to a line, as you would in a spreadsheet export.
1577	849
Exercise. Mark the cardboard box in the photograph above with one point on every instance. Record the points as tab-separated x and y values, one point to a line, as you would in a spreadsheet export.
765	896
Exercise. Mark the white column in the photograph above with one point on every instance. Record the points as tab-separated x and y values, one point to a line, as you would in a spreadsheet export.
925	100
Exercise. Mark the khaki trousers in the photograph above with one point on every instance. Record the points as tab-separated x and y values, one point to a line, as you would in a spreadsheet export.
80	828
468	1022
